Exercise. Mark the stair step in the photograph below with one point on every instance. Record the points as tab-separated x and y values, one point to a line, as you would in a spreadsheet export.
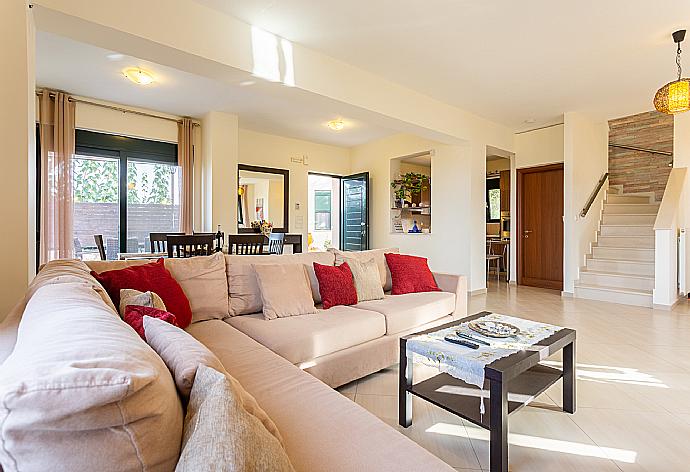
646	242
615	279
618	198
628	219
621	266
631	208
623	253
627	230
614	294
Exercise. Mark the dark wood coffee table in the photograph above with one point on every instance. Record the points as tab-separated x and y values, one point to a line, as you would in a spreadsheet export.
519	373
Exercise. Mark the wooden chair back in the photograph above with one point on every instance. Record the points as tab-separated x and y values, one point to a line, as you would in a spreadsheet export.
189	245
246	244
99	244
159	241
276	241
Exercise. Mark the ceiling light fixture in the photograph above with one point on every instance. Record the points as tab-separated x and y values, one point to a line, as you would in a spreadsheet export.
138	76
336	125
674	97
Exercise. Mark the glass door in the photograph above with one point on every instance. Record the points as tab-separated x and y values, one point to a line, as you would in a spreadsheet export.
354	212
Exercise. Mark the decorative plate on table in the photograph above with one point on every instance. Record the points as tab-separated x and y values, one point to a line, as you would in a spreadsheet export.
494	329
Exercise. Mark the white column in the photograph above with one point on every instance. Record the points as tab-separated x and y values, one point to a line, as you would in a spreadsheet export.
219	157
17	122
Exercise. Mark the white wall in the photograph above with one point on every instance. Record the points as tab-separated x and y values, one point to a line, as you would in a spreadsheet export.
585	161
219	145
268	150
681	158
539	147
457	241
17	115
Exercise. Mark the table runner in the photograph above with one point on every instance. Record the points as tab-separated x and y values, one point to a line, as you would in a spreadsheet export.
468	364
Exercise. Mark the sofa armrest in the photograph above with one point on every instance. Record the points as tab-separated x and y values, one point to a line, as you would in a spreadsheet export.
456	284
8	331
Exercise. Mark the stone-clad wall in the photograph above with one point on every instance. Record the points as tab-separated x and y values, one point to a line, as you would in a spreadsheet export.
641	171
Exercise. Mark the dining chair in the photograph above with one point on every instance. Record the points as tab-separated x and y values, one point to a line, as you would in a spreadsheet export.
99	244
189	245
497	259
78	249
246	244
276	241
158	241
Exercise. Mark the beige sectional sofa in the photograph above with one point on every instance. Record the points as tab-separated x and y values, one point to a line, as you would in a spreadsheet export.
273	360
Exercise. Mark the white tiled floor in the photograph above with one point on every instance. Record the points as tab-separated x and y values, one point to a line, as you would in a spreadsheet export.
633	410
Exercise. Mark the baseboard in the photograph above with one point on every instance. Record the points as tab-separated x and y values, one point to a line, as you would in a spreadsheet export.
565	294
512	282
479	291
657	306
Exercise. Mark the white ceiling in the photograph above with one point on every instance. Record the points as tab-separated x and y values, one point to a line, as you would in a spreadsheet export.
509	61
89	71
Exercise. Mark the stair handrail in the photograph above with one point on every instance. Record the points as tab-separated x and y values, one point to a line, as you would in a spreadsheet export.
594	194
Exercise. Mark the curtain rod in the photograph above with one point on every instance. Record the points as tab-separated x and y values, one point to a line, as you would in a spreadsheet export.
635	148
120	109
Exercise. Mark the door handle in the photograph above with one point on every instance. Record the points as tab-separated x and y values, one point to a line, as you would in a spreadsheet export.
527	232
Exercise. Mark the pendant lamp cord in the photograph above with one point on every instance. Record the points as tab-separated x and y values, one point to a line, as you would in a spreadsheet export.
680	70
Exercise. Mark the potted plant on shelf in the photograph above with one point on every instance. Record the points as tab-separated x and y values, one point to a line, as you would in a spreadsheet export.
408	184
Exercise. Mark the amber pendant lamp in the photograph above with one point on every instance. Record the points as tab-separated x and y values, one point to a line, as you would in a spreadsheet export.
674	97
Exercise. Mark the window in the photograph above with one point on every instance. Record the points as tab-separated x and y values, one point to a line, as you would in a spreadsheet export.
493	200
322	210
124	188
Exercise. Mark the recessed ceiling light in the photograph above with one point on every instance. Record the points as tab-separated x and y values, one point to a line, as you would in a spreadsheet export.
138	76
530	120
247	83
115	56
336	125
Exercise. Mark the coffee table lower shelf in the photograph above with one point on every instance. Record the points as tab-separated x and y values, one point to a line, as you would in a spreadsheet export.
463	399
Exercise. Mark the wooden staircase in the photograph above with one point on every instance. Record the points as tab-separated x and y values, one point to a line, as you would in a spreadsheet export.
620	267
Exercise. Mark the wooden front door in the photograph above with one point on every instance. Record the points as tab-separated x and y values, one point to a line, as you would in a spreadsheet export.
540	226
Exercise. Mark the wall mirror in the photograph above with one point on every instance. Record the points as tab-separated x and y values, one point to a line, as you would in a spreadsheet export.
262	194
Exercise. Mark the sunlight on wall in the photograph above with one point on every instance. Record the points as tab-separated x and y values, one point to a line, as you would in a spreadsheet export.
535	442
270	53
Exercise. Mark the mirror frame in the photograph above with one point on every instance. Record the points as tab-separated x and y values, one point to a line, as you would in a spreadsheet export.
286	194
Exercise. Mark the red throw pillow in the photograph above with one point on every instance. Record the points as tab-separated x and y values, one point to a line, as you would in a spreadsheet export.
134	316
336	285
153	277
410	274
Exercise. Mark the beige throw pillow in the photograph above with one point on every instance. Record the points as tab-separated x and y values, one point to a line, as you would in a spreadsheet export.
82	391
366	277
285	290
183	354
130	296
379	257
221	435
203	280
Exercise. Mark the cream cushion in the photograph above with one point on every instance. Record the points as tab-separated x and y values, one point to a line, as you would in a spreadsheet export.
321	428
284	290
304	338
363	256
130	296
245	296
82	391
203	280
366	278
183	355
404	312
220	435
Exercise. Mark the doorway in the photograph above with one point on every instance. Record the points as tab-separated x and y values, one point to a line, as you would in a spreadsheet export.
338	212
540	226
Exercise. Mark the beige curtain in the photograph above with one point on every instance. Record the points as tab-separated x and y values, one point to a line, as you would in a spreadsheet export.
185	159
56	128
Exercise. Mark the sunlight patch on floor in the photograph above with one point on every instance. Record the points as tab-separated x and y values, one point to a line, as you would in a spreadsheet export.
603	374
535	442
